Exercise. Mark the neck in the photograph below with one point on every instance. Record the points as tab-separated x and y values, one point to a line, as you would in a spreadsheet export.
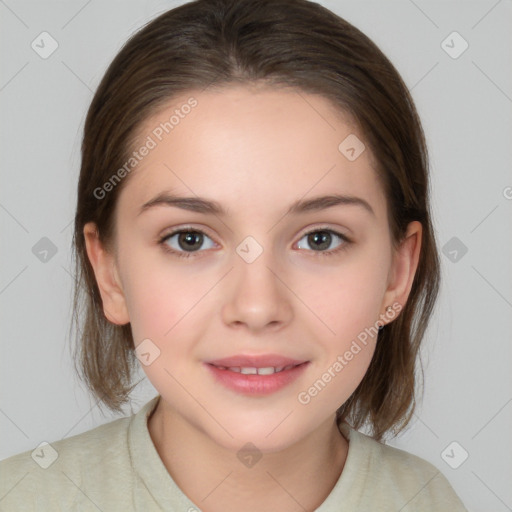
299	477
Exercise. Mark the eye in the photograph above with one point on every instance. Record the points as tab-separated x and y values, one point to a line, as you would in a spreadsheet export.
185	241
322	239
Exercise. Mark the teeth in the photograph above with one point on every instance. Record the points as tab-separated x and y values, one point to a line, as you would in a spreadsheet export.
266	371
269	370
249	371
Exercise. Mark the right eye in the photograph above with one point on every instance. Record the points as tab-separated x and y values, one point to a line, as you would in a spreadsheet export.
185	241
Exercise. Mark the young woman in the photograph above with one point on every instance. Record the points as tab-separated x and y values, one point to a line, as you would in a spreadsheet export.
253	227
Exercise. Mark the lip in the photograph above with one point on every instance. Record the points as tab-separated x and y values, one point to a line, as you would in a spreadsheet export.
256	361
256	385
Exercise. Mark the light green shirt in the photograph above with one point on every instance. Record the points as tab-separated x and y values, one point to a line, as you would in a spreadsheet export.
115	467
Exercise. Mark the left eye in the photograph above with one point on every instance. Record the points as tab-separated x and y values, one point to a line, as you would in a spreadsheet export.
321	240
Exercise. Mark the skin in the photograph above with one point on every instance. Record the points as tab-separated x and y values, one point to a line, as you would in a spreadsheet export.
254	150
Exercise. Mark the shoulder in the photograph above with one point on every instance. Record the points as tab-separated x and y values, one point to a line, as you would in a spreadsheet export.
69	474
400	478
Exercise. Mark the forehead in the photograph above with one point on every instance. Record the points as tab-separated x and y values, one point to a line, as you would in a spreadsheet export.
251	148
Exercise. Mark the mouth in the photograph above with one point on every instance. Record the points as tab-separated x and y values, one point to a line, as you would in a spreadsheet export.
251	370
256	375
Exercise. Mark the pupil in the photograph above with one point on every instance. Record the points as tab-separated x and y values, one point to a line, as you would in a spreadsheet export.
188	239
323	238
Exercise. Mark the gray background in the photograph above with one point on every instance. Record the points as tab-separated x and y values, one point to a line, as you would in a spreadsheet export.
465	104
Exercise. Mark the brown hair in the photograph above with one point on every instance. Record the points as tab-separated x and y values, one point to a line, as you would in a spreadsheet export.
292	43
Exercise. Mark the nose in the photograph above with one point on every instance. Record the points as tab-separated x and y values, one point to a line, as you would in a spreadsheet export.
256	296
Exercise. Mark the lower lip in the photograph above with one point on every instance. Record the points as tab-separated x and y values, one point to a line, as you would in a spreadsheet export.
256	385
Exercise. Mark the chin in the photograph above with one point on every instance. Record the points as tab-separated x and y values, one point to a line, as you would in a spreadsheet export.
267	436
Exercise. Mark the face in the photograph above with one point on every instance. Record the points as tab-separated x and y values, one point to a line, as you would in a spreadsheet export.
253	272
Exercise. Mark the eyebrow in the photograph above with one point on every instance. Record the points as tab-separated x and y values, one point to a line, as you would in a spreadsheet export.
205	206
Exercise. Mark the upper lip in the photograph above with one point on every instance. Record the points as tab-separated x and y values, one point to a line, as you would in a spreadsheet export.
259	361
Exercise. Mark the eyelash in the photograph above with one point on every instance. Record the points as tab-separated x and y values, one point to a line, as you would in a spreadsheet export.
185	254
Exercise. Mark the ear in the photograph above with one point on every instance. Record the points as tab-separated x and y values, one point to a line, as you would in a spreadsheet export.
107	278
403	270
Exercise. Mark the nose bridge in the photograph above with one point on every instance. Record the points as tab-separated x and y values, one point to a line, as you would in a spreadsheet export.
253	266
257	297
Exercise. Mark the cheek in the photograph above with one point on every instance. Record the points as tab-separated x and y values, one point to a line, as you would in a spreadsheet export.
333	383
161	295
348	298
348	303
161	303
152	299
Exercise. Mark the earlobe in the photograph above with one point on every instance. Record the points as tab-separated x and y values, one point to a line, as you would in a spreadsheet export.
105	271
404	266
